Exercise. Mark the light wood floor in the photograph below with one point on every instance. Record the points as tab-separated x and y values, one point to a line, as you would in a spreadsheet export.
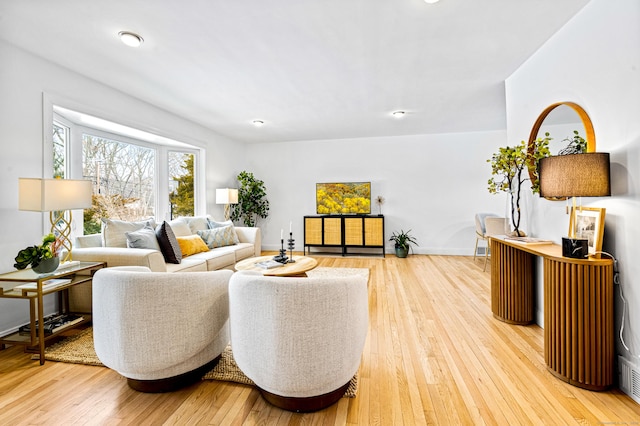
434	355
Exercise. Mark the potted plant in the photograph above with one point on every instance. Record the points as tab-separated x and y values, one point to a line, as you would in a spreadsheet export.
403	241
252	201
508	167
43	258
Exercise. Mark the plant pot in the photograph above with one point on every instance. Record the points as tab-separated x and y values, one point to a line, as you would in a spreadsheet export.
402	251
47	265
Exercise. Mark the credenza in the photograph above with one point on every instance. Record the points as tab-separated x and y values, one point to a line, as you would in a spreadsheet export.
344	232
578	307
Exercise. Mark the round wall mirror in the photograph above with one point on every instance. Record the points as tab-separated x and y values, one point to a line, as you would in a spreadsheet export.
560	120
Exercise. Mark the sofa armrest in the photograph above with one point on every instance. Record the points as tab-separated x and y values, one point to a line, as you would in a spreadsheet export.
119	256
250	235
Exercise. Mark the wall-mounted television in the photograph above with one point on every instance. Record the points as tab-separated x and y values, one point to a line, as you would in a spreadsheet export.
343	198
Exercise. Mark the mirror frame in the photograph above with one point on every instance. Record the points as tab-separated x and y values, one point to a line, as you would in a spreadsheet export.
590	136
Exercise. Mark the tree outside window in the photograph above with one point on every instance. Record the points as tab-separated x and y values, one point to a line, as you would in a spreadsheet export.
181	188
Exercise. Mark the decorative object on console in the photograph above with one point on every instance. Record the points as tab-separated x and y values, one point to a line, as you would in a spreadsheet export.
252	200
403	241
379	202
58	197
578	175
227	196
343	198
43	258
507	170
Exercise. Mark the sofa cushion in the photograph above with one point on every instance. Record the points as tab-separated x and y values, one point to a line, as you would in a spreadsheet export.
191	245
143	239
180	227
113	231
197	223
219	237
168	243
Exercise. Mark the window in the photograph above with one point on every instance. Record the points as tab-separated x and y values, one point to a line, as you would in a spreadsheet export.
60	146
124	180
129	167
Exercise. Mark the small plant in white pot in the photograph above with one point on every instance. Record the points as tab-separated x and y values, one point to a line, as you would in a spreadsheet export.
403	241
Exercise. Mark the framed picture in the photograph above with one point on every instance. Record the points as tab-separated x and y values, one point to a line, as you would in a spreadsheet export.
588	223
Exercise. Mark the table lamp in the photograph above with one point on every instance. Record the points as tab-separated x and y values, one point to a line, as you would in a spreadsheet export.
58	197
227	196
575	175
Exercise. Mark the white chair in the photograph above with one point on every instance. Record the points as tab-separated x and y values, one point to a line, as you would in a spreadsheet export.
493	226
299	339
161	331
481	231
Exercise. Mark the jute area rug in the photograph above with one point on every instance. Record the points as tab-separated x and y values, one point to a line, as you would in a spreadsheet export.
78	349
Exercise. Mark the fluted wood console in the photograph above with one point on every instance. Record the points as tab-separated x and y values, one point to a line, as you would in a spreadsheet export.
578	308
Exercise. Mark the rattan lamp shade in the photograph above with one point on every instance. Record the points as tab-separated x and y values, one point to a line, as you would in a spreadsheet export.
575	175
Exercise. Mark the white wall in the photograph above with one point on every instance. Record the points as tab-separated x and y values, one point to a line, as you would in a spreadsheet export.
432	184
594	61
23	81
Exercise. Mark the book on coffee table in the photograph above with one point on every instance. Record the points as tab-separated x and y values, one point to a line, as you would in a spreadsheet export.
268	264
529	240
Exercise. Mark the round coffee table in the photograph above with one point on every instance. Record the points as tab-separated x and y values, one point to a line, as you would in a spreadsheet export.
301	265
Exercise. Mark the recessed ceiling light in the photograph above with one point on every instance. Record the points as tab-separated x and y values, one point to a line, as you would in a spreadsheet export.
398	114
258	123
431	1
130	39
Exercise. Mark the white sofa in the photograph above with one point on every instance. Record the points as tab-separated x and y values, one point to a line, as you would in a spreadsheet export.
158	341
110	246
299	339
92	248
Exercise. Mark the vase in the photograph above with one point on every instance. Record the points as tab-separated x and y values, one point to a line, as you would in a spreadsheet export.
402	252
47	265
515	212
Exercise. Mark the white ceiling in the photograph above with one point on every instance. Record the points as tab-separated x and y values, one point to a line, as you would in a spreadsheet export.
310	69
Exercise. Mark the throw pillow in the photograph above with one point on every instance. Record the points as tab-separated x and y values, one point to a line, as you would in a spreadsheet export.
219	237
143	239
191	245
213	224
168	243
113	231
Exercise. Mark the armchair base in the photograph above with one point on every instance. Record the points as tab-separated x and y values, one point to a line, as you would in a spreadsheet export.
171	384
305	405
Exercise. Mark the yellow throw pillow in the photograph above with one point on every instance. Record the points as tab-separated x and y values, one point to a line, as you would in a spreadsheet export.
191	245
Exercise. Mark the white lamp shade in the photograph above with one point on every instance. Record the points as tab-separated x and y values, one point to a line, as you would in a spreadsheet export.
44	195
226	196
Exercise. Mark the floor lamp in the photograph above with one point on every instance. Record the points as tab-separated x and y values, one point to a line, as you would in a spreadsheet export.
575	175
227	196
58	197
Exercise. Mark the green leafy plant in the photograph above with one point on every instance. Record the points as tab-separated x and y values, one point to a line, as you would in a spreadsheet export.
508	167
33	255
252	200
403	239
575	144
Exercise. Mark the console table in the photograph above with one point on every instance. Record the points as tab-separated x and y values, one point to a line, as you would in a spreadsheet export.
344	231
578	308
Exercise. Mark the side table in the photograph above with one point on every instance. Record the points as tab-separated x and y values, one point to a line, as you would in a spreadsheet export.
79	273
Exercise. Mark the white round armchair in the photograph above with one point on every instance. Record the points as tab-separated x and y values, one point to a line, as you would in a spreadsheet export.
299	339
161	331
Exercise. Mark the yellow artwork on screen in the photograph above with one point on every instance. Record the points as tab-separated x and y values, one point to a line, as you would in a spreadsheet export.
343	198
